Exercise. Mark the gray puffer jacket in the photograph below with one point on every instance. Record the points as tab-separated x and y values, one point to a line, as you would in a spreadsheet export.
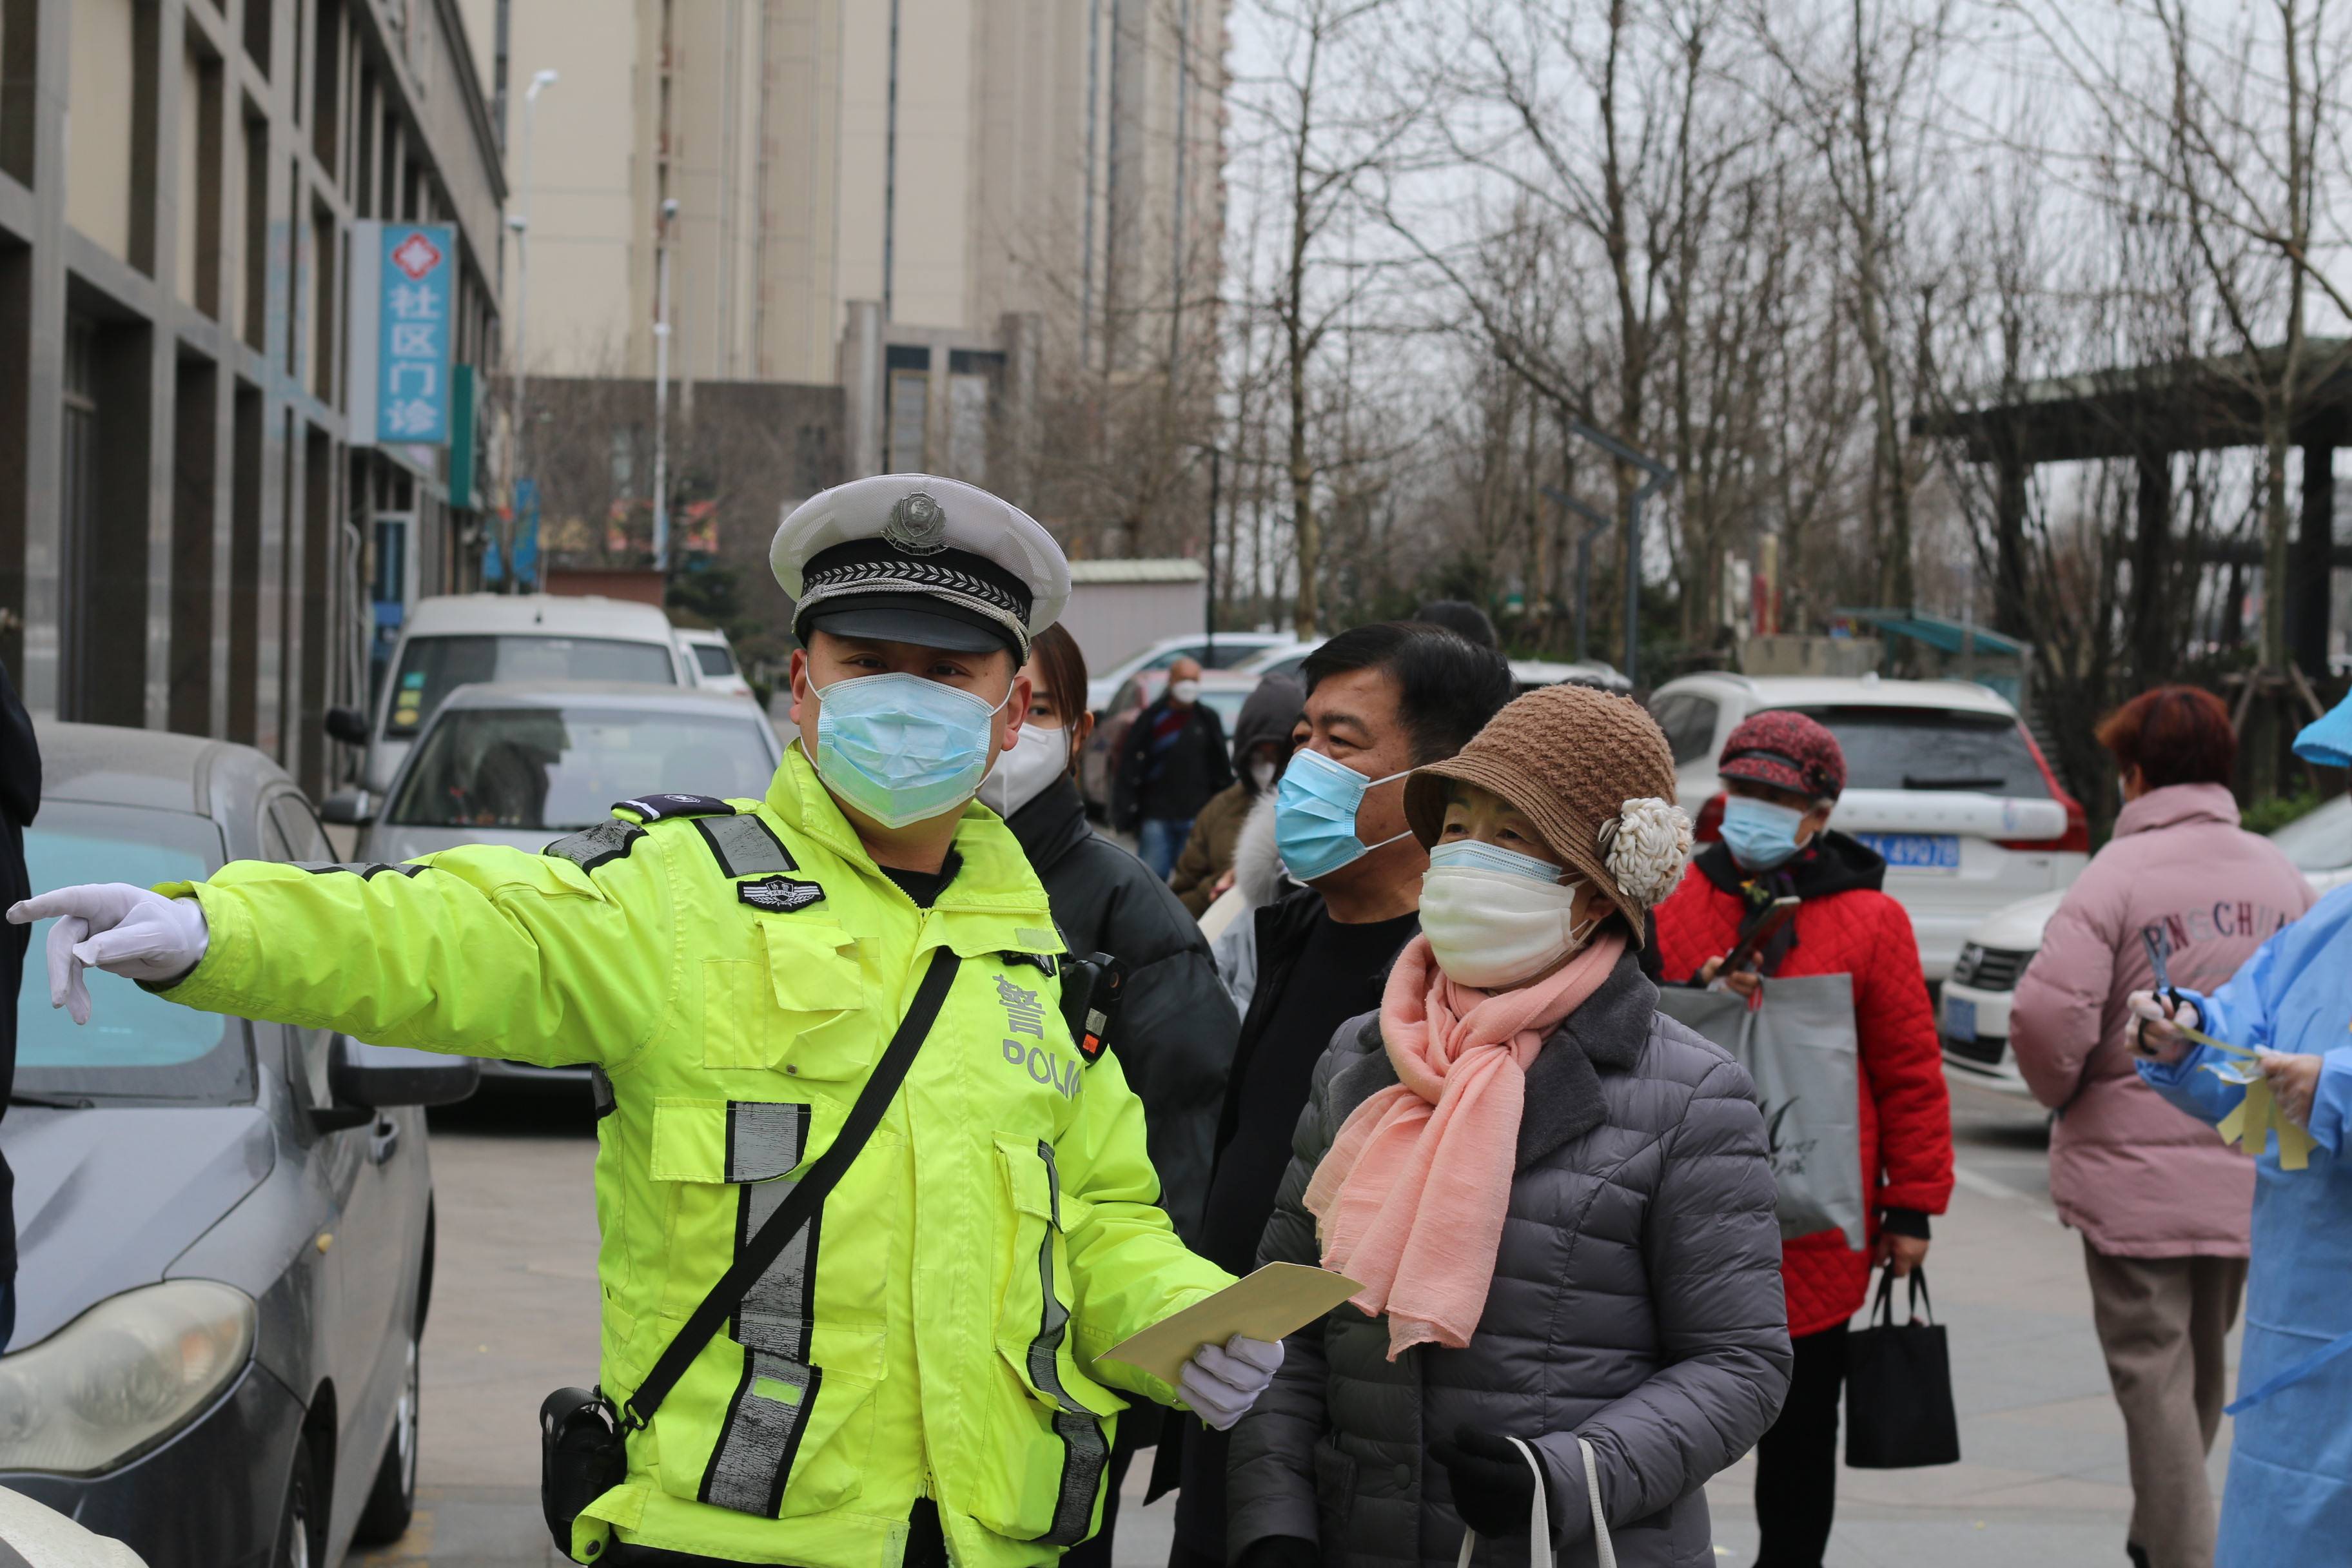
1637	1303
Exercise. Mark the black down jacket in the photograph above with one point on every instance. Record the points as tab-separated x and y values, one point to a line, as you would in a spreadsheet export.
1175	1036
1637	1303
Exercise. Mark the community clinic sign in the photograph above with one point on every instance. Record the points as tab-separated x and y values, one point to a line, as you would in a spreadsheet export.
403	292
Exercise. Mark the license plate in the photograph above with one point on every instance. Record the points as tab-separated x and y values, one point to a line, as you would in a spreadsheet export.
1915	851
1959	1017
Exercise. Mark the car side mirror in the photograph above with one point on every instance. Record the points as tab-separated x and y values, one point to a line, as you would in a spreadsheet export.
348	725
347	808
382	1078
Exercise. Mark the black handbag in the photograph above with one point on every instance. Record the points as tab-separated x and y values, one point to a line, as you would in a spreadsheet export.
1899	1386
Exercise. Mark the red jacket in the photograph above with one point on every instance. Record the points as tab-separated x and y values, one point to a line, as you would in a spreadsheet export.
1845	926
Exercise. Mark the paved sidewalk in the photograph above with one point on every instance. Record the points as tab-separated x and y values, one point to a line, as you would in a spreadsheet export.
2043	1479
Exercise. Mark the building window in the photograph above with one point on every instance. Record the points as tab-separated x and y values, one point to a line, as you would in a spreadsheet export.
78	508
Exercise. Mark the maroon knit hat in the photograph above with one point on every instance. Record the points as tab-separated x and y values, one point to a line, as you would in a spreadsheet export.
1786	751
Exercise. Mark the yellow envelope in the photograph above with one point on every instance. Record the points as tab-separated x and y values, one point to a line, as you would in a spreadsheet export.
1279	1299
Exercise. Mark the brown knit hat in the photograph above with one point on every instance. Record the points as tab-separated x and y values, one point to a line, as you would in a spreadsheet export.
1593	772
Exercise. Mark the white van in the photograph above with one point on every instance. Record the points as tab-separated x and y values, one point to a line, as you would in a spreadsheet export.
711	660
463	639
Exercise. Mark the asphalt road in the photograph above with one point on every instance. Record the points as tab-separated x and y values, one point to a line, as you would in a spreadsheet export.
2043	1477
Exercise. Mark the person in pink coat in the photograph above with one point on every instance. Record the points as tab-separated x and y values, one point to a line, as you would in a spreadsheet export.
2162	1203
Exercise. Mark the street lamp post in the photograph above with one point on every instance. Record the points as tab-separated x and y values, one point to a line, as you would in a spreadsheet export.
520	224
661	392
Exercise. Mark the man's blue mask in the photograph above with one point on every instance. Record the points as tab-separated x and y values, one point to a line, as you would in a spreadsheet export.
902	749
1314	815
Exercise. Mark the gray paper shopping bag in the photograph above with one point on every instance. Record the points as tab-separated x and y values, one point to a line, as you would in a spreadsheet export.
1798	1045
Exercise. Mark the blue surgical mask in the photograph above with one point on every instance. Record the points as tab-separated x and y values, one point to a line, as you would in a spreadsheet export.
1761	834
1470	855
902	749
1315	815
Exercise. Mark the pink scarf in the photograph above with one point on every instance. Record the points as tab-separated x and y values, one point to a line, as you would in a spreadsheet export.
1411	1198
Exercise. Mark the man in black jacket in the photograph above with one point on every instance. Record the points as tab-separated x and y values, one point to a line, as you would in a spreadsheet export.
20	798
1174	761
1380	702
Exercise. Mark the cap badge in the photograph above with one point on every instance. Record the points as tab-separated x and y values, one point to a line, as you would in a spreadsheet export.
918	525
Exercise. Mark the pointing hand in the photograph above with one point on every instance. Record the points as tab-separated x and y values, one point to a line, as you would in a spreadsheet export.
122	928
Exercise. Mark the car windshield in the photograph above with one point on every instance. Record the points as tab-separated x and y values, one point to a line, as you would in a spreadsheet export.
1934	749
136	1046
2321	838
562	768
714	658
432	667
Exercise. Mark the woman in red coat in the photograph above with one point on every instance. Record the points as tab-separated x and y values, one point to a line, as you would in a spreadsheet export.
1783	772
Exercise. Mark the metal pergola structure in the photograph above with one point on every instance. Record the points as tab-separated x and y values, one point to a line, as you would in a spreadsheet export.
2147	413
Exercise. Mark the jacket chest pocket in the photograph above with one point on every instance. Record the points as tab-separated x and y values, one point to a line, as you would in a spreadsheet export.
799	1006
1040	1476
758	1425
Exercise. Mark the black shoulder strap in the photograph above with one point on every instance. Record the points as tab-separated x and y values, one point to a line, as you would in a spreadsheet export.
807	1196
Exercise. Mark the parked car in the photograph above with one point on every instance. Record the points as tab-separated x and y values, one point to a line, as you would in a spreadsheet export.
1226	651
1225	691
226	1226
1942	780
1973	1015
710	659
526	765
462	638
1283	658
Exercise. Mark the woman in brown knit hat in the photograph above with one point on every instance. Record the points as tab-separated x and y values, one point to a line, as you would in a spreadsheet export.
1556	1201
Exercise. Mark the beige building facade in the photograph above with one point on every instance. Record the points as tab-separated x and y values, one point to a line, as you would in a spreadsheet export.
927	203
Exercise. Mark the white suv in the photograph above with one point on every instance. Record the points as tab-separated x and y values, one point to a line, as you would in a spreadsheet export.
1942	779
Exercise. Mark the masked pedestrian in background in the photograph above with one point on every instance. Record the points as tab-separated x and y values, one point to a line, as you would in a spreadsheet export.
2162	1204
1783	772
1262	746
1174	762
1558	1200
2289	1497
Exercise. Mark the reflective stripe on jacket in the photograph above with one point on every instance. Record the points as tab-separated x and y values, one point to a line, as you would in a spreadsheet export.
735	970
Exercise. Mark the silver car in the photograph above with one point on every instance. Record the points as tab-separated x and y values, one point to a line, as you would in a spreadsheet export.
525	764
227	1227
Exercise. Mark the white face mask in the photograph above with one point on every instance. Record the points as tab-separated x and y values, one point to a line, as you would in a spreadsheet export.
1495	918
1038	757
1185	690
1262	774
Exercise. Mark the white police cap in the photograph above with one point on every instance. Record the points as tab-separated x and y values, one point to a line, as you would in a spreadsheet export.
922	559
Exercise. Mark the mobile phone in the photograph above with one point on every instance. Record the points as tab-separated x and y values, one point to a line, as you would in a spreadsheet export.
1752	946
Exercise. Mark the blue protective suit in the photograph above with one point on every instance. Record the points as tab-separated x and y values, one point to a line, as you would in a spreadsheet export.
2289	1498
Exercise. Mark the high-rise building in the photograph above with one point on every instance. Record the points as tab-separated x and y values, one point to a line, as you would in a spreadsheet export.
929	204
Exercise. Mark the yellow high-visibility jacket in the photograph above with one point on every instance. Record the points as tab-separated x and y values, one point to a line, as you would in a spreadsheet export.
734	969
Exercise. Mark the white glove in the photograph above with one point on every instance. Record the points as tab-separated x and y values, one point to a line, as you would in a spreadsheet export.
1220	1383
123	929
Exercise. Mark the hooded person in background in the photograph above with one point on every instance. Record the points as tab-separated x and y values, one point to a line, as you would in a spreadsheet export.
1172	763
2289	1497
1261	750
1176	1026
20	799
1784	773
1463	618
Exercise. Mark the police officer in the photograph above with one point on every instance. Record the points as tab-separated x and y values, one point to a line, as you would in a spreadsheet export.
918	1373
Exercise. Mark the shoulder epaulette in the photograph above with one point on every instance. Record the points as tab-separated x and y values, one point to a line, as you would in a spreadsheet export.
662	807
